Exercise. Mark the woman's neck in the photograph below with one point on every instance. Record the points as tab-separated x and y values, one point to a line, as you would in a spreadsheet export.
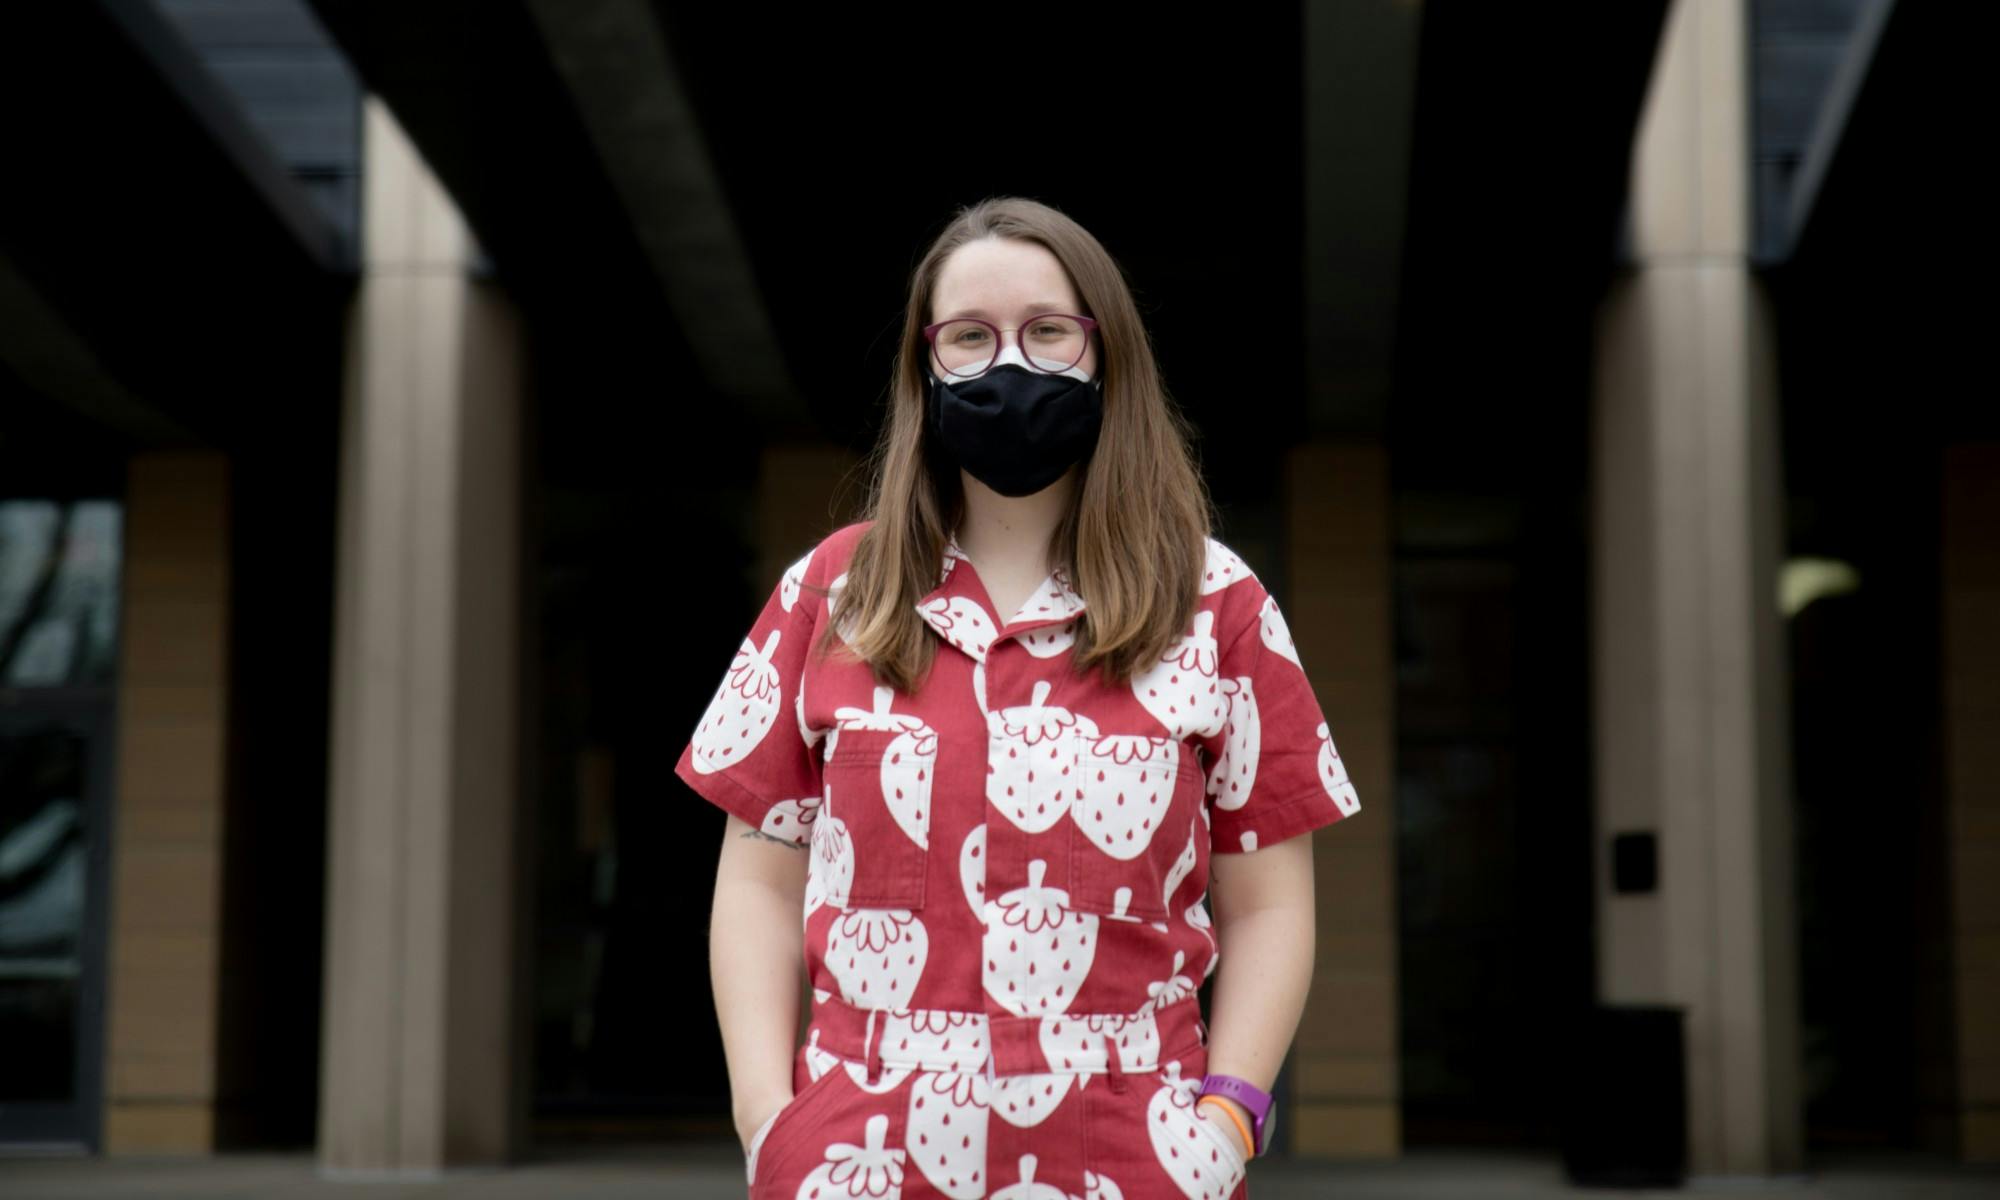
1012	532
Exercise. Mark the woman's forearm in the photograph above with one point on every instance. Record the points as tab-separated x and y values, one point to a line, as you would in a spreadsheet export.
755	956
1260	990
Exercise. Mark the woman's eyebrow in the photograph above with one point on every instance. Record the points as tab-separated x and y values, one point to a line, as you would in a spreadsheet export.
1040	306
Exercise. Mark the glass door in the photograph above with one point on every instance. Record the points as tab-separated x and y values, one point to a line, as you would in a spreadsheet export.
58	619
52	768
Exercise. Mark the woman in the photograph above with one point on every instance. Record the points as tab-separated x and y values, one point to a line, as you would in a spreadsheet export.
1011	822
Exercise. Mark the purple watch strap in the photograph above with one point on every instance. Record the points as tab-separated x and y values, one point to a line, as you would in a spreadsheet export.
1248	1094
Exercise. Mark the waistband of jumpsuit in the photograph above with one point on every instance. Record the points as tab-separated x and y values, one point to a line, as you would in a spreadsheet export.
997	1044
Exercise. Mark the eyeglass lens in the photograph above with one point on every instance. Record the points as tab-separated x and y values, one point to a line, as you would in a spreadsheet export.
1050	343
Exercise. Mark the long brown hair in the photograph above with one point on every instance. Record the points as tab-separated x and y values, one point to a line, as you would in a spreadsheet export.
1134	541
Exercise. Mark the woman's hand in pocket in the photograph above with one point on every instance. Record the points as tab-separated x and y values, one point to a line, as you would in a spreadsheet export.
752	1114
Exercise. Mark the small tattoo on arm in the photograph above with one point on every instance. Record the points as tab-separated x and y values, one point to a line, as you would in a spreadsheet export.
788	843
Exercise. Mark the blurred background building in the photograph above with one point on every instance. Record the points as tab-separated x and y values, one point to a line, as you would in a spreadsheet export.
404	407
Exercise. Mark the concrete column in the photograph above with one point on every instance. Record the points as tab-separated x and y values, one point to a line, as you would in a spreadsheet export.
165	953
1972	781
1345	1083
1689	678
416	1067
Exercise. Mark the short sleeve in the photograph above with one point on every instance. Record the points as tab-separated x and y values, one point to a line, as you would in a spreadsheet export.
751	754
1275	772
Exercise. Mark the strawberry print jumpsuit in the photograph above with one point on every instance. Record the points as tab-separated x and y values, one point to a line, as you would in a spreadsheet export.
1004	915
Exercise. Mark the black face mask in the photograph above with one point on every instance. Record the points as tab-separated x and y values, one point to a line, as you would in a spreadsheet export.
1014	429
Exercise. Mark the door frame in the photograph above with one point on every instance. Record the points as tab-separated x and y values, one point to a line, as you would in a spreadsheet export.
90	712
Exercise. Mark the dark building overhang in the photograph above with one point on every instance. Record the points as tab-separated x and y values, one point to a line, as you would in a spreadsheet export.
166	274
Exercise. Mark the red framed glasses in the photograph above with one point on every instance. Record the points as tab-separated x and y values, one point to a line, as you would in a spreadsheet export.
1050	342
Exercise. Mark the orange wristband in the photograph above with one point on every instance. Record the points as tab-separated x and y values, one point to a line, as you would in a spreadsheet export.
1249	1143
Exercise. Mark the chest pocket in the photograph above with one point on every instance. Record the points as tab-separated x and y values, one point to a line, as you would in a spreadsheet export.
1130	816
871	841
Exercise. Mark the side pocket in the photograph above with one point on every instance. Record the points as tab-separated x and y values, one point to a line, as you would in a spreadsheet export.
1134	798
771	1146
872	835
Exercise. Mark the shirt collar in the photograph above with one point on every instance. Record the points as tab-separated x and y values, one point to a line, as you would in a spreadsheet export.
961	612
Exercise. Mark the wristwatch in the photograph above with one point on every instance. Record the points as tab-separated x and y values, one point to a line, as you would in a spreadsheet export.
1250	1096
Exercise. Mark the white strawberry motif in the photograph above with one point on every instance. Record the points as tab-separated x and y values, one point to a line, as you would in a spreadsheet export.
1182	868
972	868
807	733
946	1130
1031	760
877	955
892	1077
1072	1043
1121	905
1235	769
844	628
873	1170
1176	987
1189	1144
1276	634
1024	1101
794	580
742	709
1249	840
1333	774
953	555
830	870
1055	599
792	820
961	621
1222	569
1037	951
1197	916
1049	640
941	1039
1181	690
818	1061
1100	1187
908	761
1028	1189
1127	787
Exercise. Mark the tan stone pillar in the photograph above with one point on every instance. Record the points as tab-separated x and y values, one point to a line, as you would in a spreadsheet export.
166	852
416	1066
1340	1094
1346	1092
1689	678
1972	781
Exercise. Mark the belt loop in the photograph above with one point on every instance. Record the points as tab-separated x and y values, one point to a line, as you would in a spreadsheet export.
872	1050
1111	1067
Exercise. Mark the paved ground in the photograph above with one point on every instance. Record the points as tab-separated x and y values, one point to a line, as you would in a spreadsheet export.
716	1172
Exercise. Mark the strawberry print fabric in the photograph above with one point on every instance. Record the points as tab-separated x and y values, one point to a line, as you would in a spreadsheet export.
1005	918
